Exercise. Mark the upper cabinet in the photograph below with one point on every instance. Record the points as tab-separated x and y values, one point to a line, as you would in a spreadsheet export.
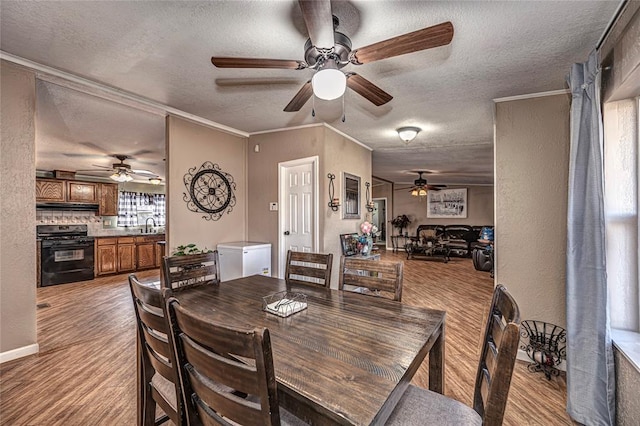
108	199
82	192
105	195
51	191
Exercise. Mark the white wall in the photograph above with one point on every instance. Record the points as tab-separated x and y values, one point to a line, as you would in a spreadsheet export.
17	213
531	169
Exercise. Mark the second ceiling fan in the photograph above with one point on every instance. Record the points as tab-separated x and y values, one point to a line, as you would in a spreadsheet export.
327	51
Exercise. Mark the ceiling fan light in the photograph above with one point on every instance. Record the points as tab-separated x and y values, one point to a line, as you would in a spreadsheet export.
422	192
329	83
407	134
414	192
121	176
155	180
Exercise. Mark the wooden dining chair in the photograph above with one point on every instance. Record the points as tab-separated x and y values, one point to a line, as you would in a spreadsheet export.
227	374
158	382
308	268
493	378
182	272
372	277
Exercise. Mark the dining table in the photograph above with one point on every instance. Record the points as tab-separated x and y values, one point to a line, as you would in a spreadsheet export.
347	358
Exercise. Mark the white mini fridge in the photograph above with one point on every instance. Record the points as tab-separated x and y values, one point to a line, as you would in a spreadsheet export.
243	258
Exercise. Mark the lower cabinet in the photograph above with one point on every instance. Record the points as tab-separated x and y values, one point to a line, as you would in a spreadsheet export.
126	254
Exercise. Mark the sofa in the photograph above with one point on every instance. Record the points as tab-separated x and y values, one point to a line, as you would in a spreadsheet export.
462	238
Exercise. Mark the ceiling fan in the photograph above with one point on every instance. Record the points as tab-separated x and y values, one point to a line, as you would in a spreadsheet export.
327	51
421	187
121	171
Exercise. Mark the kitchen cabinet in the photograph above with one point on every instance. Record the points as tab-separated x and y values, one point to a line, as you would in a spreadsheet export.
38	263
82	192
51	191
106	256
160	245
126	254
108	205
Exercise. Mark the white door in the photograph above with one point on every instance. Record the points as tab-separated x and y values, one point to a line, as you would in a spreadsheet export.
298	218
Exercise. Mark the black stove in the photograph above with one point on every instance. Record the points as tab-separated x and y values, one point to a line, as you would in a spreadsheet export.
66	254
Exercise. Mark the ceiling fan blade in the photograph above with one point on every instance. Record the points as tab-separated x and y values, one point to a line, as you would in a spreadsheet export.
143	172
300	98
319	20
367	89
257	63
426	38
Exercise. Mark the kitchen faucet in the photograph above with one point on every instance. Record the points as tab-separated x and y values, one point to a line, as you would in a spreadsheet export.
146	224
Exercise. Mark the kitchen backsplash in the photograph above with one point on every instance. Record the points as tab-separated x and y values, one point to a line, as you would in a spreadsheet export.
97	225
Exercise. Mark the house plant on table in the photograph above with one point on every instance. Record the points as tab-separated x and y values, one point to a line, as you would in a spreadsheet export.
401	222
365	241
190	250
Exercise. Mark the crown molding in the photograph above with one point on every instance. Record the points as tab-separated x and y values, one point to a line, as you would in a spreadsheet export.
533	95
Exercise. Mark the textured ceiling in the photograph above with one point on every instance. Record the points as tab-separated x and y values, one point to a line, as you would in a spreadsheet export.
161	51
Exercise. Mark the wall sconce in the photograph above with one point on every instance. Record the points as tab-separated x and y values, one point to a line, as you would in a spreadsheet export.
334	202
370	205
407	134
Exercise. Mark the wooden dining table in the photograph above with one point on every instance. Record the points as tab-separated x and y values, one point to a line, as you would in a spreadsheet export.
345	359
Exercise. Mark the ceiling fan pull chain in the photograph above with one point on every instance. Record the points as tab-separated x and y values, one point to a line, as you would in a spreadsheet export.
344	117
313	106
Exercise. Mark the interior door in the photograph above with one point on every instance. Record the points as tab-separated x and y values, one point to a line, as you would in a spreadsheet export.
298	219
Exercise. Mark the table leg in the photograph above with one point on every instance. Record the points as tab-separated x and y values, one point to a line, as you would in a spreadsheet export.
436	364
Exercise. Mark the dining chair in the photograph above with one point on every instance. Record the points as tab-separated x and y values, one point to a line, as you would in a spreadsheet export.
182	272
371	276
158	382
227	374
493	378
308	268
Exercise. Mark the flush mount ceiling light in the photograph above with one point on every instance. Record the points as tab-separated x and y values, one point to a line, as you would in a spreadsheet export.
155	181
407	134
121	176
329	82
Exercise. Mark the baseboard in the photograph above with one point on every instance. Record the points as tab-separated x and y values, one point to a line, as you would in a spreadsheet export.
522	356
19	353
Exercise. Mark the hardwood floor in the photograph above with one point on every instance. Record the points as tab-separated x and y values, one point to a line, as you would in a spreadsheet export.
85	371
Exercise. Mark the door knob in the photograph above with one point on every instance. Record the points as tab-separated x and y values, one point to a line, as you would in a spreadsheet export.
286	232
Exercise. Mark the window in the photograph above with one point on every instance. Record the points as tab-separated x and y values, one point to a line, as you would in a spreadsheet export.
621	181
135	207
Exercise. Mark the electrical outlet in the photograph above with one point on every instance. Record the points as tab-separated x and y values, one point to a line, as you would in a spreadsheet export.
273	207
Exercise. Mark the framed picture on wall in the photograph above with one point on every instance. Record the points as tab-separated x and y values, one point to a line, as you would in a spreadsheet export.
447	203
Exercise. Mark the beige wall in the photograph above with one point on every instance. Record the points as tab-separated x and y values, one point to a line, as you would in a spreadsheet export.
336	153
189	145
531	169
479	212
17	213
342	155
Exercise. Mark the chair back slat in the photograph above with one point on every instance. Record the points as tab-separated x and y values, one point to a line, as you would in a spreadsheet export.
497	358
156	353
218	365
373	275
308	268
182	272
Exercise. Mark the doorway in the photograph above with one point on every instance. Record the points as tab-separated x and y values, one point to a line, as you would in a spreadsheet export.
379	219
298	212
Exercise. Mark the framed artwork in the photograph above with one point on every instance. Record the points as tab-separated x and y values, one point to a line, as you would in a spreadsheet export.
349	244
447	203
351	196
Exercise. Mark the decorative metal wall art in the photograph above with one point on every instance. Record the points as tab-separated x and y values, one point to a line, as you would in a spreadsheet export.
334	203
370	205
209	190
545	344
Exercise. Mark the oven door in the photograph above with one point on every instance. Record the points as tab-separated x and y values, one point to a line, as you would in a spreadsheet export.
66	261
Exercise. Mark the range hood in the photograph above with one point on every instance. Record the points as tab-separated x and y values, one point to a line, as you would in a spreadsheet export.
67	206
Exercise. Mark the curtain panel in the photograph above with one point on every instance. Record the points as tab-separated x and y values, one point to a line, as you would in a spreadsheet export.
590	363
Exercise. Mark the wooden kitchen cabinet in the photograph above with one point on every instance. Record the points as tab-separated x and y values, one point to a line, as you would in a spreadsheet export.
160	246
146	255
126	254
82	192
108	205
51	191
106	256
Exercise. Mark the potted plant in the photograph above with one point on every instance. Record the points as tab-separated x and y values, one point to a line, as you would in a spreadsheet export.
401	222
189	249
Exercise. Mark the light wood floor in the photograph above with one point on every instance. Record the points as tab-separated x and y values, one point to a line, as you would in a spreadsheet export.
85	371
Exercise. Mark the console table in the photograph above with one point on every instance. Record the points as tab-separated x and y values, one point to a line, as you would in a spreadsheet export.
437	250
396	240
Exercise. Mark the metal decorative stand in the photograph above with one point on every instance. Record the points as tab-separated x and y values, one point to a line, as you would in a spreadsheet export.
545	344
333	201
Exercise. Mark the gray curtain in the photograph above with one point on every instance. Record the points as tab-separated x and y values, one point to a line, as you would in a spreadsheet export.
590	368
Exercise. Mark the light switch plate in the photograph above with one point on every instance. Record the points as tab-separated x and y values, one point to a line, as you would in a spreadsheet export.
273	207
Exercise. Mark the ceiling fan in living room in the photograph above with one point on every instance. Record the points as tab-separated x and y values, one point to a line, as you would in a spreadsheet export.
420	186
327	51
